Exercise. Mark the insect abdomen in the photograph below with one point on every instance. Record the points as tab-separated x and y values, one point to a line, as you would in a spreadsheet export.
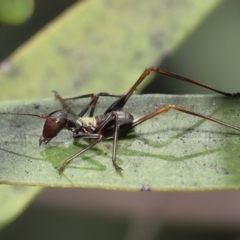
123	117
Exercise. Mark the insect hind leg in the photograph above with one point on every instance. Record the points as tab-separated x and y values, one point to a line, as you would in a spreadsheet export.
181	109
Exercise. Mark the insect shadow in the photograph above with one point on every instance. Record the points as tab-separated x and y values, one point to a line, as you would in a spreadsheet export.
54	154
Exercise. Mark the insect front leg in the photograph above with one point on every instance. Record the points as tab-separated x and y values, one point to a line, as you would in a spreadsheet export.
98	138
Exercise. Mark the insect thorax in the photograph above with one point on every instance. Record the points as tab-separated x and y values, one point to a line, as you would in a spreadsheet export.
87	121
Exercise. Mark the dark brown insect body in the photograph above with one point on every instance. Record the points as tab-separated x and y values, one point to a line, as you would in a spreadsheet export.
113	122
99	127
59	120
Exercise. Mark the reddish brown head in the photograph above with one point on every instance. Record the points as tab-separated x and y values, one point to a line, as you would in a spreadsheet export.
55	122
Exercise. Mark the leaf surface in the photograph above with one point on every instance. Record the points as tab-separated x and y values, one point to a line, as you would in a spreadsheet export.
174	151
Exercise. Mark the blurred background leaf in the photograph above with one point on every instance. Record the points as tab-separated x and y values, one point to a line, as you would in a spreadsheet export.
15	11
92	47
14	200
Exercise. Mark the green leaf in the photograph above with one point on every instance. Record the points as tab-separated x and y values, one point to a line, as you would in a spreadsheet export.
98	42
15	11
173	151
13	200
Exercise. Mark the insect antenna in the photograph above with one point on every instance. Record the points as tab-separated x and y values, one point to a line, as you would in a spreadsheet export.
25	114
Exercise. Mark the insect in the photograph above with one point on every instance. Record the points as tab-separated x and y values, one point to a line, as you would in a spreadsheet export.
113	121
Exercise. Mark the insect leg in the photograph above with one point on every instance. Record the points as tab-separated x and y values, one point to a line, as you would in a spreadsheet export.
94	101
193	81
181	109
91	104
119	103
98	136
115	138
113	116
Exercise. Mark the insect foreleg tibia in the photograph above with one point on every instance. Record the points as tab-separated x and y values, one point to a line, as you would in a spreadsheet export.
98	138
